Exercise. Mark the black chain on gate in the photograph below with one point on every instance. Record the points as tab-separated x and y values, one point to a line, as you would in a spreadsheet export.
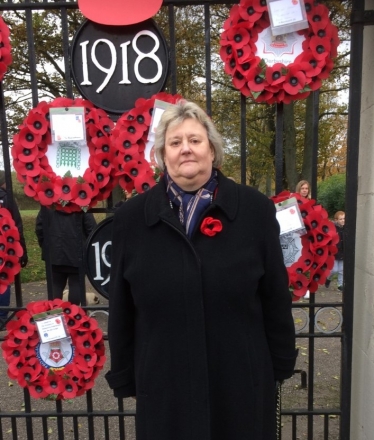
278	410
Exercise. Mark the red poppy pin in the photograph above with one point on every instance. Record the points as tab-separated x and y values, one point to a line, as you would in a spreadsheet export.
210	226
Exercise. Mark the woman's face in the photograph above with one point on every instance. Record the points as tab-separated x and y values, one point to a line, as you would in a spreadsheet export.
304	190
188	155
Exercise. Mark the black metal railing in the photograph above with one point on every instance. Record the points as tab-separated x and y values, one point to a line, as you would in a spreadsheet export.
99	415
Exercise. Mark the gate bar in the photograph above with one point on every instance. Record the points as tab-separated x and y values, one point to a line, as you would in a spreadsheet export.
353	142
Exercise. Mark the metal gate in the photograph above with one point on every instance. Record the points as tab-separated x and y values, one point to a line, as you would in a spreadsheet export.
98	414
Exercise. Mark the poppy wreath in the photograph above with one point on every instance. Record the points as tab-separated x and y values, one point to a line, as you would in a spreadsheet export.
318	247
129	139
57	370
278	83
65	193
5	49
10	249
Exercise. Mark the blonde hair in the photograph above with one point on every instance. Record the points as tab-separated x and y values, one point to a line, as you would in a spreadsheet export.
338	214
300	184
178	113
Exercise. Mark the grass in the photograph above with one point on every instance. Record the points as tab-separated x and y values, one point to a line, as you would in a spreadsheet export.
35	269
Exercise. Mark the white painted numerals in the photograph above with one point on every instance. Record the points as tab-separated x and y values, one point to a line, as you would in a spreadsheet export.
100	256
124	55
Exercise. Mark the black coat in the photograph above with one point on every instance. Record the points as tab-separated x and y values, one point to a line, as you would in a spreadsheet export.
62	235
199	328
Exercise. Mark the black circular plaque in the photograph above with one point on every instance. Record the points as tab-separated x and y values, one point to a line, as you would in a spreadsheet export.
113	66
98	256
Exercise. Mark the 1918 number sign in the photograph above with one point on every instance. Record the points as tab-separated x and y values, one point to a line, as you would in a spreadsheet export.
113	66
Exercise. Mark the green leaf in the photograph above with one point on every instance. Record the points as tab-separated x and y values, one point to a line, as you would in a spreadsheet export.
256	94
305	89
45	178
262	64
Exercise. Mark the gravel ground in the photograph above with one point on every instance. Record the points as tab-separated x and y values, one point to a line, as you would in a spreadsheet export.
75	425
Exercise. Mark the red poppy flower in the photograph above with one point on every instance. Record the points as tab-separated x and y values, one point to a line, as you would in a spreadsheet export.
69	388
14	368
53	384
256	79
5	56
294	81
141	114
248	11
37	123
36	307
127	184
211	226
299	282
144	182
27	138
276	74
320	47
10	268
318	17
29	374
326	69
67	183
81	194
237	36
37	390
49	191
102	144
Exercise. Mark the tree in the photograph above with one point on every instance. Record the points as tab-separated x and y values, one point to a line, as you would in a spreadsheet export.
331	193
258	125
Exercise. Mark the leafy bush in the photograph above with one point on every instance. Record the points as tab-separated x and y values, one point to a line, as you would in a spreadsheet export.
331	193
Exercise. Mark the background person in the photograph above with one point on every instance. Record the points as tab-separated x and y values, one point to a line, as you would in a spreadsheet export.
303	188
5	297
339	220
200	323
62	237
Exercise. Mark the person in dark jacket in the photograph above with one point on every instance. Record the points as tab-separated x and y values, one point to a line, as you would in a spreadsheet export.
339	220
200	324
5	297
62	237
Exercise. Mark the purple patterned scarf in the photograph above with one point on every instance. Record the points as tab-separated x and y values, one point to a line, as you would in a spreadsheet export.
191	204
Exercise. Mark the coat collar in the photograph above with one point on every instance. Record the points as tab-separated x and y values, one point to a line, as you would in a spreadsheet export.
157	205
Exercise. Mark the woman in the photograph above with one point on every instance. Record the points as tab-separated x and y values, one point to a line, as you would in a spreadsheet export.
200	323
303	188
